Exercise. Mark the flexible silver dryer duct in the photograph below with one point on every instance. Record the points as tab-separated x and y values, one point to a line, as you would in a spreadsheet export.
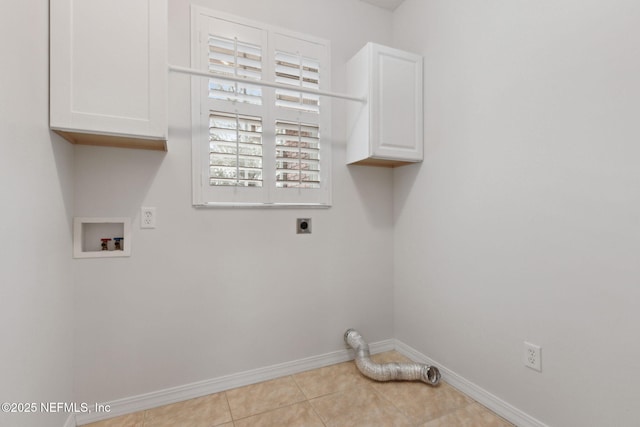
388	371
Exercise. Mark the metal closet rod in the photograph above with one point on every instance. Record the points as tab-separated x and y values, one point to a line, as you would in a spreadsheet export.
191	71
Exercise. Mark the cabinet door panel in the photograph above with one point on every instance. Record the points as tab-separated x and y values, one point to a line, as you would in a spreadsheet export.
397	132
110	58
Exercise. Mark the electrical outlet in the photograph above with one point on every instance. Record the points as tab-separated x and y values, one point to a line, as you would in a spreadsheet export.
303	226
532	356
148	218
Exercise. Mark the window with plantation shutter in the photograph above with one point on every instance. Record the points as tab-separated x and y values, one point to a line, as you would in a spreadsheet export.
255	145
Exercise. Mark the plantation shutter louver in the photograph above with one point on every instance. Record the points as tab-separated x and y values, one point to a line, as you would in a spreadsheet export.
295	70
297	155
235	150
235	58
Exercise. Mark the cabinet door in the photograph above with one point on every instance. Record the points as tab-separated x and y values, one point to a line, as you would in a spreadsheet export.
396	104
109	67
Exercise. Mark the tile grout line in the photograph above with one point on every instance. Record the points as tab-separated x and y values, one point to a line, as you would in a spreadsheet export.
226	399
267	411
474	401
293	378
144	418
385	398
495	414
451	411
308	400
270	409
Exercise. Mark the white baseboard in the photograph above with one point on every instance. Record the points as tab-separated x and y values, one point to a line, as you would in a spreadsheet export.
71	421
227	382
477	393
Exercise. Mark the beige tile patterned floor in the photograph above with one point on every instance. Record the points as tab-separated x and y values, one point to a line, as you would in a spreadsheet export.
334	396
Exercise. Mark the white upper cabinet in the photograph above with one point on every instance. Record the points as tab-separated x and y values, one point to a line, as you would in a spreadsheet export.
388	129
108	72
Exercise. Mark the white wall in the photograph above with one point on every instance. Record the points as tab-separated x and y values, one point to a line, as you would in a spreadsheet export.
212	292
36	201
523	223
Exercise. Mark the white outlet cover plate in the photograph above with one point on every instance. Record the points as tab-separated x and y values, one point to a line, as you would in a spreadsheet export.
148	217
532	356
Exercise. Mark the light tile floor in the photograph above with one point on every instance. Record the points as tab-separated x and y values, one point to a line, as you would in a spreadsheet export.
334	396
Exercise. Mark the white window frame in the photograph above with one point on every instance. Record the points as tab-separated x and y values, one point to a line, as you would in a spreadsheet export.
271	38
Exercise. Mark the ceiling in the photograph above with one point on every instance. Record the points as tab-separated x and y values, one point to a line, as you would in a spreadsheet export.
385	4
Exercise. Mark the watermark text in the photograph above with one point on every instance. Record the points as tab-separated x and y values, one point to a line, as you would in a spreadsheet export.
54	407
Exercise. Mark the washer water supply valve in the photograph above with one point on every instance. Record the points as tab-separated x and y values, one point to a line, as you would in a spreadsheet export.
117	243
105	244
